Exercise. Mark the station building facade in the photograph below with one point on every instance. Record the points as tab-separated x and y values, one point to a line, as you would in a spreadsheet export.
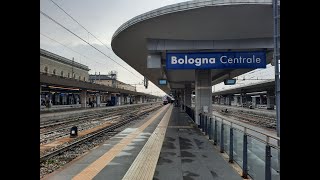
53	64
110	81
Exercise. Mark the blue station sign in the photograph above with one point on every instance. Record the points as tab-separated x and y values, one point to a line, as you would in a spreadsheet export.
216	60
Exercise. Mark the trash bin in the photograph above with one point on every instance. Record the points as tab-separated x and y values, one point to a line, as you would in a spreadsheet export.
74	131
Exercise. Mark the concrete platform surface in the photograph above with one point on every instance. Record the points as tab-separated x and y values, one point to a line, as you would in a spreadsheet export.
185	153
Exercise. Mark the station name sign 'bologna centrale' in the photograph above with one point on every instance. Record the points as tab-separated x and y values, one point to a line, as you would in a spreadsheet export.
216	60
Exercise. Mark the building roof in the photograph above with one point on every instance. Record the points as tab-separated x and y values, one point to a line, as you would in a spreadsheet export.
63	60
101	77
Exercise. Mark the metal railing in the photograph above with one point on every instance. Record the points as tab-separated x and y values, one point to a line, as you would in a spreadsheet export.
257	153
190	112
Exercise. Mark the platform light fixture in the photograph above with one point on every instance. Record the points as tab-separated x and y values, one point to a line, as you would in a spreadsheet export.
230	81
162	82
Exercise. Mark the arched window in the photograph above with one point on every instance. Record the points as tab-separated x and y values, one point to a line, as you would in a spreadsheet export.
46	69
68	75
74	76
61	73
54	72
79	78
84	78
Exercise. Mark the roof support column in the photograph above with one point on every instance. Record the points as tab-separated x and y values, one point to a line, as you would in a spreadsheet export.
254	104
98	99
139	99
56	99
203	91
243	99
182	100
235	100
77	99
261	99
83	98
270	100
228	100
187	95
121	99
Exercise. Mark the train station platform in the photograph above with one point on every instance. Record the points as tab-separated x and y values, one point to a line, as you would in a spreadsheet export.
165	145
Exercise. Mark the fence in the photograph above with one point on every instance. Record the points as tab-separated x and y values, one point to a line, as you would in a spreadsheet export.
257	153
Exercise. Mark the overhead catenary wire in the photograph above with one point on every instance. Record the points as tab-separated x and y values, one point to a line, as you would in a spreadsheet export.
68	47
47	16
79	24
84	29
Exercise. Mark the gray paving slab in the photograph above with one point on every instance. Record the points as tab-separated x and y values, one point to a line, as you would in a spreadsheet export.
121	163
187	154
124	160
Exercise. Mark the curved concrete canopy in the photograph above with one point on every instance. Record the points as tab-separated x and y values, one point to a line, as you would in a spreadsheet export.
193	26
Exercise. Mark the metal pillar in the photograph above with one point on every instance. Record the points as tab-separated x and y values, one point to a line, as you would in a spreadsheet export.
231	145
245	155
268	163
215	137
221	138
206	125
210	128
276	58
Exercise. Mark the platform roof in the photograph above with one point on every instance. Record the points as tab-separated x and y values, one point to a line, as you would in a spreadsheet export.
195	26
76	84
268	85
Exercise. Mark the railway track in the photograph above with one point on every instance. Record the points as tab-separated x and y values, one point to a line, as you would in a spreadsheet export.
76	142
264	122
55	130
260	120
51	135
79	117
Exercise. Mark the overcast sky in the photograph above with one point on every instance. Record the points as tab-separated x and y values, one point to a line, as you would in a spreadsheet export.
102	18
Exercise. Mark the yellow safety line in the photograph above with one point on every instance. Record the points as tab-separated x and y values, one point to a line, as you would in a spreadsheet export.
144	165
93	169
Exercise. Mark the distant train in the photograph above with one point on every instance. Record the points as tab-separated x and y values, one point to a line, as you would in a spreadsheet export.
167	99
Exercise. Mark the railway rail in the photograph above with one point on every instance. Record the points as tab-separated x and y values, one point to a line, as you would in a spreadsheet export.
127	118
260	120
